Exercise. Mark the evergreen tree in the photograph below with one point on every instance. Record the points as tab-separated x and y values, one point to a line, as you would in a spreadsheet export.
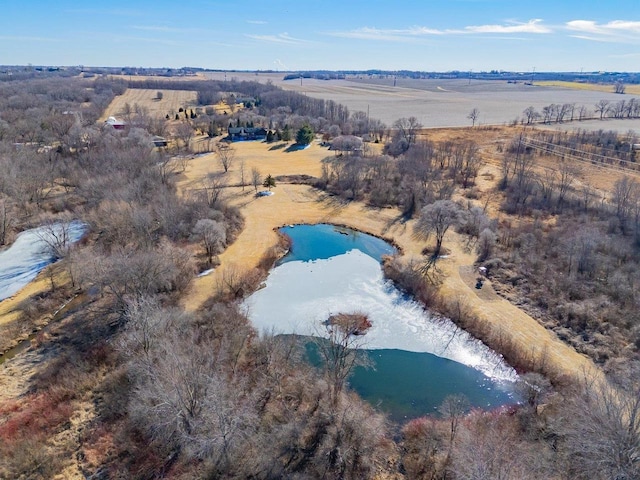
305	135
269	182
286	134
270	136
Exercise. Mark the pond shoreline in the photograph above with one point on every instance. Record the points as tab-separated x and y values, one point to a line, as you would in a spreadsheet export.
332	270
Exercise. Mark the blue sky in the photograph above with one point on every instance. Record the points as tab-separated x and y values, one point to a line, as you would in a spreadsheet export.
431	35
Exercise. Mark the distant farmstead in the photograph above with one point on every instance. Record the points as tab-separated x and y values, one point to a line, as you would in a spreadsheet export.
247	133
115	123
159	141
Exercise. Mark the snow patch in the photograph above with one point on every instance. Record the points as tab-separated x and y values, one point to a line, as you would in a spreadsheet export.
29	254
299	296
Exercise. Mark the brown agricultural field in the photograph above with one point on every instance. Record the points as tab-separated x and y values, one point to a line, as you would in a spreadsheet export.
171	102
443	102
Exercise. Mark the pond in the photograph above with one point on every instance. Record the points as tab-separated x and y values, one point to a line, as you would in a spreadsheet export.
30	254
418	357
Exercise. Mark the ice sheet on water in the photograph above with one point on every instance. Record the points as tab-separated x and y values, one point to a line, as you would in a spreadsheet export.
299	296
28	255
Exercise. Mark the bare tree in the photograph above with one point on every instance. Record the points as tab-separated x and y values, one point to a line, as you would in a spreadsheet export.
184	132
619	87
226	154
340	352
491	447
486	243
58	236
567	175
213	236
213	187
168	166
624	192
437	218
602	428
7	219
583	112
454	407
256	178
531	114
470	163
601	107
547	184
474	114
408	129
243	173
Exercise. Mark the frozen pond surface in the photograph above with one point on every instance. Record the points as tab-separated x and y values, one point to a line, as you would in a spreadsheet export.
300	295
405	341
30	253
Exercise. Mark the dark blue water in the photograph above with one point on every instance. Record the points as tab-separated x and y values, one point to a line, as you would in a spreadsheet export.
322	241
408	385
403	384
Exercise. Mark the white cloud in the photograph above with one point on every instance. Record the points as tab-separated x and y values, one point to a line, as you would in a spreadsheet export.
624	31
257	22
282	38
533	26
369	33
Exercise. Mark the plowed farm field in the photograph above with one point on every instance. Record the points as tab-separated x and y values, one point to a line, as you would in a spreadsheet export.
171	102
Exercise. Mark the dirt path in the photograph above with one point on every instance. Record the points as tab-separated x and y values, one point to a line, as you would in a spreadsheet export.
293	204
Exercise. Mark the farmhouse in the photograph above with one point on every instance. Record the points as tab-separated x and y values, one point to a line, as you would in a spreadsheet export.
159	141
247	133
115	123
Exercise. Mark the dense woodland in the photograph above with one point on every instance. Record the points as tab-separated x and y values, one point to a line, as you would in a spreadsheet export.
173	394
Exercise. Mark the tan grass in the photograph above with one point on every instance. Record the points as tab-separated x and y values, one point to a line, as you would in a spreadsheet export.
8	307
171	102
595	87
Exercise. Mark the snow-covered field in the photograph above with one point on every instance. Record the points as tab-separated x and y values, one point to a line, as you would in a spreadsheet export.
299	296
30	253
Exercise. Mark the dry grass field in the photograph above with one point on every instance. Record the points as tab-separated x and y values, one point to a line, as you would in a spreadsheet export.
172	101
596	87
